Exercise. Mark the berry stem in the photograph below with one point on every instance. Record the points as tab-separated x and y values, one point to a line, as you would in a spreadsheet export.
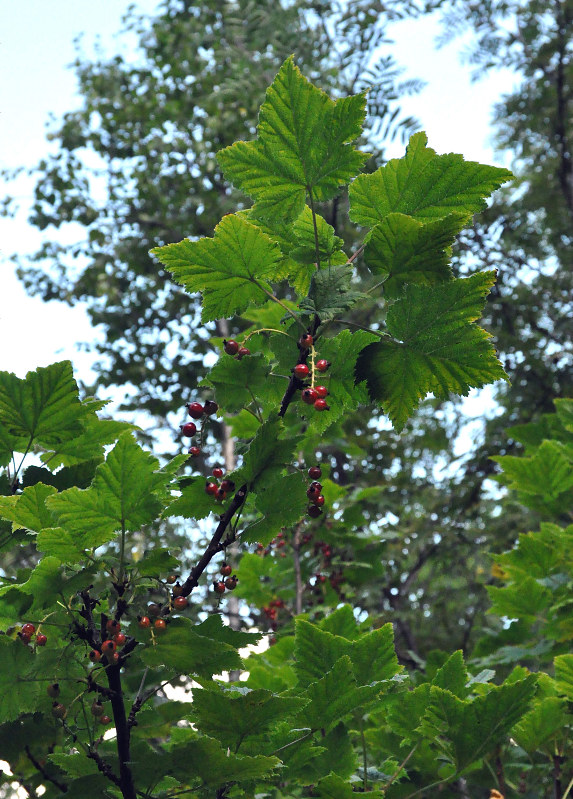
276	299
316	244
264	330
312	357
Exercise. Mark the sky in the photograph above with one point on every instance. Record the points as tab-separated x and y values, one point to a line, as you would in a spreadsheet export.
36	49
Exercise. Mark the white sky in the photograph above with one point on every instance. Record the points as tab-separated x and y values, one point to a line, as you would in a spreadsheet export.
36	47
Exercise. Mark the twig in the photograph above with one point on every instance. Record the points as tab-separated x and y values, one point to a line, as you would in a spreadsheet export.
104	767
138	701
396	774
37	765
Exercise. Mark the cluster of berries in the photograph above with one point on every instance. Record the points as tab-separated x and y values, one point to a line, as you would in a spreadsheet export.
197	411
233	347
314	490
271	611
98	711
312	395
277	543
219	490
27	633
180	602
322	546
109	646
228	582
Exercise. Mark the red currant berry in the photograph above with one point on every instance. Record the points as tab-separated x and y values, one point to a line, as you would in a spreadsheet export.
112	626
180	602
309	396
120	638
322	391
195	410
24	638
319	501
314	490
28	629
104	719
321	405
219	587
306	341
301	370
160	624
95	656
221	495
189	429
153	609
41	640
144	622
217	472
313	511
211	488
172	579
108	647
59	711
228	485
242	352
210	407
231	582
315	472
53	690
231	347
322	365
97	708
226	570
177	589
113	658
195	451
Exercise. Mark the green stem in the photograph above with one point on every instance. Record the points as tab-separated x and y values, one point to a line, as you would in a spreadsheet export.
396	774
272	297
292	743
364	758
316	244
568	789
121	551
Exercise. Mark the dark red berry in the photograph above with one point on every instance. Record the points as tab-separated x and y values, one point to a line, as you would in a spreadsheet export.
226	570
314	490
321	405
217	472
180	602
319	501
195	410
195	451
210	407
24	638
104	719
313	511
322	365
211	488
53	689
144	622
231	347
120	638
153	610
228	485
301	370
306	341
231	582
177	589
172	579
242	352
59	711
161	624
315	472
97	708
41	640
112	626
108	647
322	391
28	629
219	587
189	429
221	495
309	396
95	656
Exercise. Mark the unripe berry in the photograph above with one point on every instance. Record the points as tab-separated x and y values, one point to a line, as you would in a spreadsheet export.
210	407
309	396
314	511
53	690
315	472
195	451
180	602
28	629
160	625
217	472
231	347
144	622
321	405
219	587
189	429
306	341
97	708
41	640
59	711
195	410
301	370
322	391
322	365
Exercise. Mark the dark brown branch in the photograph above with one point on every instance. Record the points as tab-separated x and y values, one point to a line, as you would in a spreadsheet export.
61	786
565	161
122	731
104	767
215	545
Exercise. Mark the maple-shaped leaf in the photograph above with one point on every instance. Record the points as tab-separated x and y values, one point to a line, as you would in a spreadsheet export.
231	270
28	509
424	185
245	383
303	146
402	250
19	693
122	496
331	292
283	502
268	455
433	346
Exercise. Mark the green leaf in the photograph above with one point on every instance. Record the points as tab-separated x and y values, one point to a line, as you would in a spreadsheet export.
435	347
547	719
17	694
564	675
302	146
282	502
402	250
156	562
453	675
303	248
28	510
61	544
77	765
120	497
524	600
231	270
333	787
337	758
194	502
267	456
423	185
545	476
464	731
330	293
245	383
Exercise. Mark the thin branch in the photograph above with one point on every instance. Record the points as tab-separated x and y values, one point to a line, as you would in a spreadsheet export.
137	702
104	767
37	765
